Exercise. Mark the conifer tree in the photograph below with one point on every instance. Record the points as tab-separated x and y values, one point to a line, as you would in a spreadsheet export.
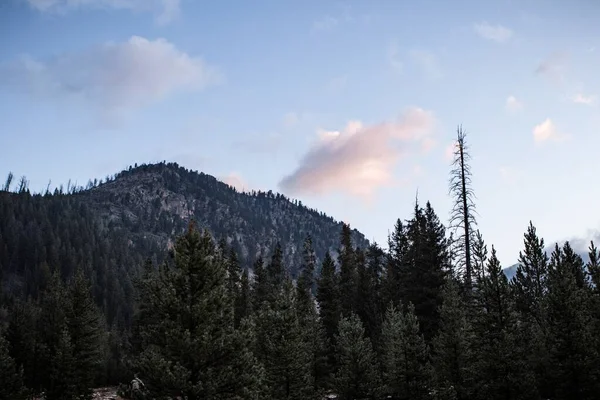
462	216
306	279
573	358
191	347
501	367
593	267
529	287
282	350
452	348
407	372
62	372
243	302
276	273
356	376
347	280
397	260
369	308
260	284
328	297
87	338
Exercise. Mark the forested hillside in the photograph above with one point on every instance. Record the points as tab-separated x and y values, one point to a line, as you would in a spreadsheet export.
434	317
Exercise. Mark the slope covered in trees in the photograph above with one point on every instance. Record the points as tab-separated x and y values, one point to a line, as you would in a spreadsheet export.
357	322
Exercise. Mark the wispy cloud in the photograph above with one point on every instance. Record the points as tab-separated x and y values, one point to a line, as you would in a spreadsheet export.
359	159
427	62
165	11
547	131
513	104
113	78
496	33
584	99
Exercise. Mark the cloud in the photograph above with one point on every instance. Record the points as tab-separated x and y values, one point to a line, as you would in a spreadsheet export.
428	63
165	11
513	104
583	99
359	159
497	33
113	78
547	131
554	67
236	181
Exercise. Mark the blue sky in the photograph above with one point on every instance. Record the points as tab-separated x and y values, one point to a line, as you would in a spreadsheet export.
348	106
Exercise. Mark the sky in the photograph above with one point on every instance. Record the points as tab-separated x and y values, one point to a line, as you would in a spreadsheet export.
349	106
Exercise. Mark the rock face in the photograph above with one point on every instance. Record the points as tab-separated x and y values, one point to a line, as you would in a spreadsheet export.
157	201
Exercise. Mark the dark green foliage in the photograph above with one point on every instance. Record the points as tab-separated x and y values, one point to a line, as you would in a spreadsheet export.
190	347
356	376
452	348
329	302
370	305
500	367
573	362
348	278
282	349
11	375
407	372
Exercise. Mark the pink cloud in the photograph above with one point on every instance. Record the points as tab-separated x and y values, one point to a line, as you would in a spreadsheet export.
359	159
235	180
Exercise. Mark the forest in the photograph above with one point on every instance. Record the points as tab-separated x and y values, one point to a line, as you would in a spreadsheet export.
433	316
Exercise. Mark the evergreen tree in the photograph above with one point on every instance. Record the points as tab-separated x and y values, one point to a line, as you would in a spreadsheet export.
191	347
462	216
356	376
276	273
282	350
63	382
501	368
573	362
348	278
593	267
328	298
452	348
87	335
11	375
243	302
407	372
529	290
260	285
369	308
397	260
307	279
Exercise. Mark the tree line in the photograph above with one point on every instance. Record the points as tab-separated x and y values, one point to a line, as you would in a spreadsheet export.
427	319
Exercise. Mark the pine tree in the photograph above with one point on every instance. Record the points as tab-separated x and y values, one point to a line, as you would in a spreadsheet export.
529	286
356	376
407	372
260	284
87	337
462	216
501	368
243	302
307	278
328	298
348	278
573	358
593	267
369	308
276	273
11	375
397	260
452	348
191	347
63	382
282	350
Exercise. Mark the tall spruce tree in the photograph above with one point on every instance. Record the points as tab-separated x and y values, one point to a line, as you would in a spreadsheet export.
191	347
243	302
356	376
328	297
348	279
306	280
501	368
282	350
462	216
407	372
452	348
530	288
397	260
573	358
